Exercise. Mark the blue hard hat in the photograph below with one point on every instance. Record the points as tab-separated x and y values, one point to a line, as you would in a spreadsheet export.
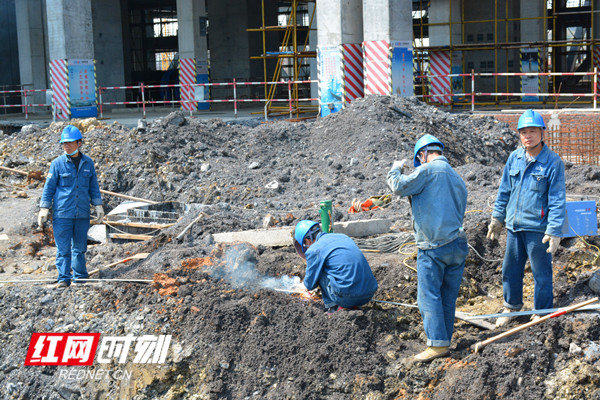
302	229
70	134
429	141
531	118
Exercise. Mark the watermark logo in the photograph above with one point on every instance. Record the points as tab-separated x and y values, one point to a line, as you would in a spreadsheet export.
62	348
81	349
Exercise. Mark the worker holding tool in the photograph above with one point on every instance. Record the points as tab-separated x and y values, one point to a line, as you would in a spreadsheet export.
335	264
531	203
71	185
438	198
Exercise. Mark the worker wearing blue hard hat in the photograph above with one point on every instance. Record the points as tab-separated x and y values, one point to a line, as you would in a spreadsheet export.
531	204
71	186
336	265
438	198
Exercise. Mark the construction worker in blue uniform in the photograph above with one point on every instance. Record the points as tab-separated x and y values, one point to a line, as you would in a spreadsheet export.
531	204
335	264
71	185
438	198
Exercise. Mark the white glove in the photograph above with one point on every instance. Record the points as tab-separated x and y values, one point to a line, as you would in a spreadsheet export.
553	245
43	216
494	229
399	164
99	213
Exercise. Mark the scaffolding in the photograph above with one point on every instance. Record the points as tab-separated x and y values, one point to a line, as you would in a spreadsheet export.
567	45
291	57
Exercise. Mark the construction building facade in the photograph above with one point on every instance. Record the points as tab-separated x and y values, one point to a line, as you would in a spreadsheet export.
457	53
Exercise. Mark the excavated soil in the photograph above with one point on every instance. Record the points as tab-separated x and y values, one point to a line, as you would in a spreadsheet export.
236	333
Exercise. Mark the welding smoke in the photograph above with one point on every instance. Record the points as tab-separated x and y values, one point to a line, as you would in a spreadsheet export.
238	267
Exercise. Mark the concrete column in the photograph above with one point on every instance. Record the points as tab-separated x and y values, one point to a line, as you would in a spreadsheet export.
193	46
108	47
31	36
70	37
70	33
191	19
389	21
532	31
340	22
443	62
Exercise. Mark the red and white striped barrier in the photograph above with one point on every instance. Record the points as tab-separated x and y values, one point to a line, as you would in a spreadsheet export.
59	78
187	77
439	64
352	72
377	67
191	89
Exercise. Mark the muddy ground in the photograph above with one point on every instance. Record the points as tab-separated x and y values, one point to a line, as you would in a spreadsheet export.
236	338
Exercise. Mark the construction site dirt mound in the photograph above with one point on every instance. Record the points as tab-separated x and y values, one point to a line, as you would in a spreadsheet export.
239	328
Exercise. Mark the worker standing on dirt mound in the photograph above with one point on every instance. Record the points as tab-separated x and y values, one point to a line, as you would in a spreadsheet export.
438	198
336	264
531	203
71	185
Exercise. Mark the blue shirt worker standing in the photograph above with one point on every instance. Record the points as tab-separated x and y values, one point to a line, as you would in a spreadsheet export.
531	203
335	264
71	185
438	198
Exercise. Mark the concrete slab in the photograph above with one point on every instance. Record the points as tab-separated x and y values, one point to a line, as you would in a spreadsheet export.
362	228
277	237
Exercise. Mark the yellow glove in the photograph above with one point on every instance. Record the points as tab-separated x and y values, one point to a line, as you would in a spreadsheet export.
99	213
553	245
494	229
43	216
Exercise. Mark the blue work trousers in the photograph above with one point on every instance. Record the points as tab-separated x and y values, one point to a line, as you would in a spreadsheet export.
70	236
330	298
439	273
519	247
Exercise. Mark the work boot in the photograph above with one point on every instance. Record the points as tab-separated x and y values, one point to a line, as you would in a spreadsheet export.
332	309
504	320
61	285
431	353
78	283
535	317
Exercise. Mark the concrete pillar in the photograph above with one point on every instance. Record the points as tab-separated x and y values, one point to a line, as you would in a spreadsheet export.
31	35
70	34
389	22
108	47
340	23
71	39
532	60
444	62
193	49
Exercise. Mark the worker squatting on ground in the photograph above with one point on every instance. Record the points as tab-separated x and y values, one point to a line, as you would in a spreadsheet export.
336	264
438	198
71	185
531	204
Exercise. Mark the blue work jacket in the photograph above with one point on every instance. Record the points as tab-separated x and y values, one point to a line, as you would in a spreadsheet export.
438	198
337	255
69	191
531	196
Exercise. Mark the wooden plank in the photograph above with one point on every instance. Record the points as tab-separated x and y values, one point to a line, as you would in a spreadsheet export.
138	224
130	236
